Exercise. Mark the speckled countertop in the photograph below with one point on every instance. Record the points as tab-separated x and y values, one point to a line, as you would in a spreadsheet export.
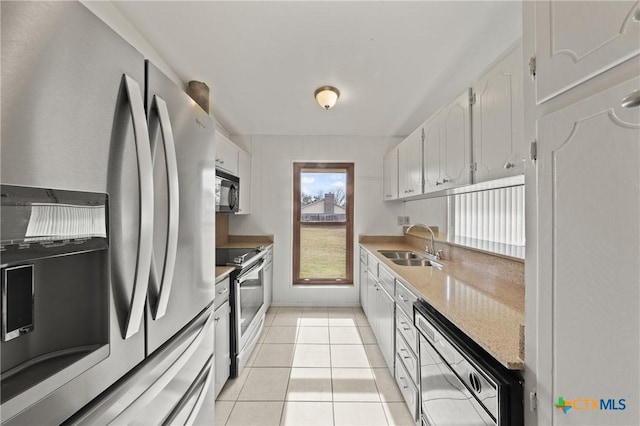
488	308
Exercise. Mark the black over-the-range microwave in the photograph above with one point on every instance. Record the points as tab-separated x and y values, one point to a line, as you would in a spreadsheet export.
227	192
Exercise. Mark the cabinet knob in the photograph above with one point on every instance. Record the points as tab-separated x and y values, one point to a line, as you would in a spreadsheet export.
509	165
632	100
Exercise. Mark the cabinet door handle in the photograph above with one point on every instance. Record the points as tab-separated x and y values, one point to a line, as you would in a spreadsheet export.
632	100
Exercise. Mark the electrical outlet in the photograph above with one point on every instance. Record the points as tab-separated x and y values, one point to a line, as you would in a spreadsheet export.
407	220
400	220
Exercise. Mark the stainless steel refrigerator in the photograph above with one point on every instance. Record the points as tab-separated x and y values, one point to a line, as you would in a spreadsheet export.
82	111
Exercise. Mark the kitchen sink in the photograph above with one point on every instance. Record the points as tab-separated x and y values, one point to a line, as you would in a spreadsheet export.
401	254
416	262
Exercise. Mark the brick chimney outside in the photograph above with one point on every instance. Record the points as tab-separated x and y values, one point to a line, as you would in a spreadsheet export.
329	202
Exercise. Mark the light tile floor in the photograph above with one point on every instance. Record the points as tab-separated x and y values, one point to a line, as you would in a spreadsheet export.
314	366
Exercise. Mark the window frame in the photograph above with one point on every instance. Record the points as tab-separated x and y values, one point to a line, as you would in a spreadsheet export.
297	209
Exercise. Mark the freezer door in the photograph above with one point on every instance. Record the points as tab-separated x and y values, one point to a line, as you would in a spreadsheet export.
72	114
182	280
168	388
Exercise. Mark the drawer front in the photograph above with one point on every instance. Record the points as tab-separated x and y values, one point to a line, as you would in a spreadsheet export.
405	299
386	279
363	256
407	388
372	264
408	357
222	292
406	328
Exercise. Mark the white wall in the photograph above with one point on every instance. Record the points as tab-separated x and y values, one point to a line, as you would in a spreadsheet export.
430	212
272	203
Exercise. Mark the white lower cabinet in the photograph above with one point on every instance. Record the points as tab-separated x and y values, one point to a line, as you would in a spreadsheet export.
380	310
388	305
268	279
221	318
407	365
385	331
407	388
363	280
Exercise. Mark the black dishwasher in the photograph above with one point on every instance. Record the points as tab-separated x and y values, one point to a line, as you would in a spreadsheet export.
460	383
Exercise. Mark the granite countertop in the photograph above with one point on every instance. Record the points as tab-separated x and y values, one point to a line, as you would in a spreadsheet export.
223	271
488	308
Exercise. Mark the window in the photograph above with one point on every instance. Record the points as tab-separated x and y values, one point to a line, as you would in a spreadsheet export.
323	223
490	220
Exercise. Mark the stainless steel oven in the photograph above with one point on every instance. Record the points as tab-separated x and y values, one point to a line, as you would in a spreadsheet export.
460	384
246	300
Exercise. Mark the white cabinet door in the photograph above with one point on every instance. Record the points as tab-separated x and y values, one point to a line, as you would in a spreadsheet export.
372	311
588	254
447	158
226	154
576	40
410	165
455	147
390	175
268	279
498	118
364	289
432	130
244	173
222	346
385	309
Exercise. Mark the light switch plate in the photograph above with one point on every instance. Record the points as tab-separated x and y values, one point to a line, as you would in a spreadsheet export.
407	220
400	220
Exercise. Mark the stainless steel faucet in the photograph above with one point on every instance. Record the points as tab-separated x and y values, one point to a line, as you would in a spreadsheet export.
428	250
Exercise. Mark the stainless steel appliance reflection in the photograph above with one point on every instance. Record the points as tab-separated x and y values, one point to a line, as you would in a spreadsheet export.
460	384
82	111
247	301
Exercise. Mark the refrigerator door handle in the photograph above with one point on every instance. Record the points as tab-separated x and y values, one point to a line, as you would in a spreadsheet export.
145	237
199	387
174	206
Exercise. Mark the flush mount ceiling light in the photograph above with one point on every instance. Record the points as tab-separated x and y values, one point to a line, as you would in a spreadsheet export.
327	96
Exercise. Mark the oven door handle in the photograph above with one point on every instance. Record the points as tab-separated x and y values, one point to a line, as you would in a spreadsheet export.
257	268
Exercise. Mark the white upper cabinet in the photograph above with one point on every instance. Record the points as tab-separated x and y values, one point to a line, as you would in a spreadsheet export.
578	40
447	138
410	165
226	154
244	173
588	174
390	175
498	116
432	130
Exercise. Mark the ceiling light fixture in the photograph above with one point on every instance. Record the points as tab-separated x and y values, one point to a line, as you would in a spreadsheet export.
327	96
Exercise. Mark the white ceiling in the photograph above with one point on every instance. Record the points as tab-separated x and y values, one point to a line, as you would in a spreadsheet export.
394	62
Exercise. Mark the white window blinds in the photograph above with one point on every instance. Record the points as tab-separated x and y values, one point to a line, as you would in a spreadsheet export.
494	217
